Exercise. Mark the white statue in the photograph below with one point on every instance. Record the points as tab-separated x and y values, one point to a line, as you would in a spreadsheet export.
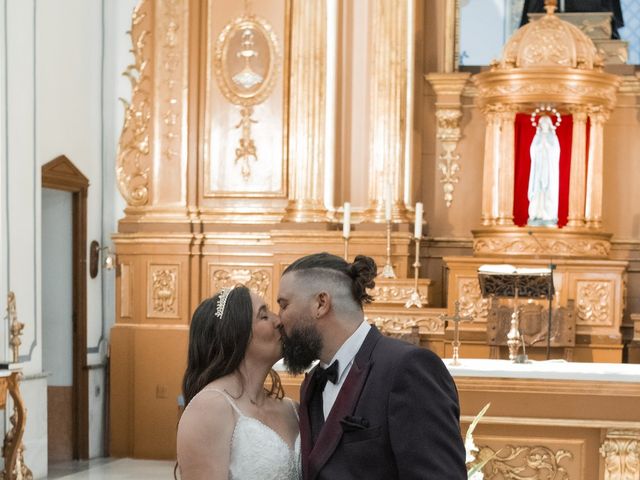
544	182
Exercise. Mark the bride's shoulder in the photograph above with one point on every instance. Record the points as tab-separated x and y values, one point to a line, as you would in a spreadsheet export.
209	406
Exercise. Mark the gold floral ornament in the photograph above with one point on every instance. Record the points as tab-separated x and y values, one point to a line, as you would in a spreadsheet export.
132	170
247	62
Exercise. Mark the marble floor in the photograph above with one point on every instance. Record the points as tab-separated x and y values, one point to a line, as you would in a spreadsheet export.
112	469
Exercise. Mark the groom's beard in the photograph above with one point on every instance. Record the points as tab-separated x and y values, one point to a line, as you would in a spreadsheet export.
301	348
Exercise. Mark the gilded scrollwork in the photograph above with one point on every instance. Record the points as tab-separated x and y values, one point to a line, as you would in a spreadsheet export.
525	462
401	324
449	135
169	72
471	302
257	280
164	290
552	246
133	158
593	302
550	41
519	89
621	453
394	294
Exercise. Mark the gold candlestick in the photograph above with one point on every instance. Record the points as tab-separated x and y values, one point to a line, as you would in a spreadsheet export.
387	271
414	299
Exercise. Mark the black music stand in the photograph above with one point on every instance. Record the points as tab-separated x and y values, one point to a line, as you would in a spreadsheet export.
506	281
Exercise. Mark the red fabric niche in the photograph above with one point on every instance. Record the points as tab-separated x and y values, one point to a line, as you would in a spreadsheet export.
524	133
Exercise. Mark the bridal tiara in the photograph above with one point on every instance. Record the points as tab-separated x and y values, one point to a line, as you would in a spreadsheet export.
222	301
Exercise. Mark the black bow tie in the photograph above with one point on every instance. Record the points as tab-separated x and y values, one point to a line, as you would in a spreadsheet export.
327	374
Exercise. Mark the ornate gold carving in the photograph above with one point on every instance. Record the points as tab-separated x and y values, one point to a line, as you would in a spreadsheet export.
593	302
400	324
133	163
449	136
550	246
164	290
247	61
257	280
169	73
394	294
15	327
525	462
550	42
12	447
471	302
604	93
621	453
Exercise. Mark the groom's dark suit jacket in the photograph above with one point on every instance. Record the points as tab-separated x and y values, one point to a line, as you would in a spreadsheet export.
396	417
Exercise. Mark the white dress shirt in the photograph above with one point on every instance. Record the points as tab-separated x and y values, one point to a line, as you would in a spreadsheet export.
345	356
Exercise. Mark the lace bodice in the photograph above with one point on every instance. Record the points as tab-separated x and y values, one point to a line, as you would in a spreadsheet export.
258	452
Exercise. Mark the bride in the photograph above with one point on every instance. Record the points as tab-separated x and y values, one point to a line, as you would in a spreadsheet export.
232	426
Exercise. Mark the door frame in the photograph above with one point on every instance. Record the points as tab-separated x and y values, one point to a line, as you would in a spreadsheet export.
61	174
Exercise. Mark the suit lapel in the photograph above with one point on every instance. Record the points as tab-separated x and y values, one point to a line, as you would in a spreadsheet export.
305	423
345	403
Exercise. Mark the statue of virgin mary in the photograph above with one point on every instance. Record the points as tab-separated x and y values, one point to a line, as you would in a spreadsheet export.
544	184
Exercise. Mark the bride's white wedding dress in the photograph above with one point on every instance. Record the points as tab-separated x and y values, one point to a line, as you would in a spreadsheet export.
258	452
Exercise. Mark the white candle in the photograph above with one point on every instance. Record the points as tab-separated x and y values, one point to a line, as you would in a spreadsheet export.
387	202
417	232
346	220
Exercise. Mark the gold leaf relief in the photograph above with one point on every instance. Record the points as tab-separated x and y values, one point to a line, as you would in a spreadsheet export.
525	463
621	453
256	280
593	302
471	301
164	291
133	158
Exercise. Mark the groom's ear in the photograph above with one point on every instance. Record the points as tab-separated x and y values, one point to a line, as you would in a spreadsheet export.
323	304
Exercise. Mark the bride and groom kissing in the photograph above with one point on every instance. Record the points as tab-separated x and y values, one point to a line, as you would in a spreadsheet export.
373	408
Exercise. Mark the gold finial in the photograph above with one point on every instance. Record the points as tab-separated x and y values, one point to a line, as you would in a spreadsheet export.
15	327
551	6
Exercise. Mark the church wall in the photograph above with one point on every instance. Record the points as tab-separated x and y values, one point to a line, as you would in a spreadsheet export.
60	77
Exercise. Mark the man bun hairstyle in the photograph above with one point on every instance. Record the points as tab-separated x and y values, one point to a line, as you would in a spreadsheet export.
360	274
363	271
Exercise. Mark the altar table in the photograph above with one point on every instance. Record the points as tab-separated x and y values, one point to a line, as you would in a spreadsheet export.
548	420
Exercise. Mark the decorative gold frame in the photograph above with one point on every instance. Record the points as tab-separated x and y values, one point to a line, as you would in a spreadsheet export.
211	58
234	95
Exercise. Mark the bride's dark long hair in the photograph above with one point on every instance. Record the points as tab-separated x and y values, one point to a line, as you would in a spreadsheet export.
218	345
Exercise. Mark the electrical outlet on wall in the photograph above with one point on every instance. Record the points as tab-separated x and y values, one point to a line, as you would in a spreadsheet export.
161	391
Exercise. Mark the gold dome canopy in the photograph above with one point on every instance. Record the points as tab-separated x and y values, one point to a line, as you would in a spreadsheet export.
550	42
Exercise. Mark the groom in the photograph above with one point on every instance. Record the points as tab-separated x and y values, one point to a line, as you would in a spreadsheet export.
375	407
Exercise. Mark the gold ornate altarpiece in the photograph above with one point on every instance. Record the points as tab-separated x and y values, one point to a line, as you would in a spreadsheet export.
227	167
226	183
547	62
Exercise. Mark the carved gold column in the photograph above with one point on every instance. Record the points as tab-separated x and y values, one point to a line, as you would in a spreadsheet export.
593	206
451	33
391	29
578	168
152	158
504	165
307	112
448	88
621	453
489	182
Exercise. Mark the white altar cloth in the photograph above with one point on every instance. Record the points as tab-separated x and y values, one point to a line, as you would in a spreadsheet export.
546	370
